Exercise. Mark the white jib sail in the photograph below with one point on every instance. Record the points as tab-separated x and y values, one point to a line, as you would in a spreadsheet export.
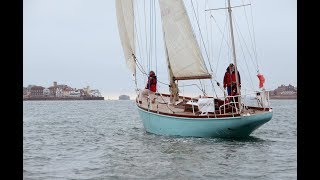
125	17
184	54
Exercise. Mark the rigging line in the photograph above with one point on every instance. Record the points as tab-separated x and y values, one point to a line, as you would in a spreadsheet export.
195	31
220	49
140	42
188	85
250	76
211	40
214	90
254	63
202	38
211	16
137	33
146	34
238	29
200	88
140	67
250	35
155	36
211	52
151	33
241	47
227	8
150	36
136	41
254	38
166	103
134	44
251	82
182	85
203	90
155	41
197	15
162	82
193	26
209	44
206	22
149	52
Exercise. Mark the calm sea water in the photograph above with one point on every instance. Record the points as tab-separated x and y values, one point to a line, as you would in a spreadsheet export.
106	140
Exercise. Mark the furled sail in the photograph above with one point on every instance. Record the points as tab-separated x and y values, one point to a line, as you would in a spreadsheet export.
125	17
184	54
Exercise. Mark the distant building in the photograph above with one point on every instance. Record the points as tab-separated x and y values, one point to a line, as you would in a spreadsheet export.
53	89
46	92
25	91
283	92
81	92
94	93
36	91
124	97
86	91
60	92
66	91
75	93
29	88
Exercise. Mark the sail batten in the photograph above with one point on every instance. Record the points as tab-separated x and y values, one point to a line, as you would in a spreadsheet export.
185	58
125	18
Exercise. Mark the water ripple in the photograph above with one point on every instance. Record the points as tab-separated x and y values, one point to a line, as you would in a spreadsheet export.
106	140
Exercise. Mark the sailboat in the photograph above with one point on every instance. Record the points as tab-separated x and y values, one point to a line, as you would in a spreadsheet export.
178	115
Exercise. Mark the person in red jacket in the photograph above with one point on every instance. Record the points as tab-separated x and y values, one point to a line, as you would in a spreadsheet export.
150	88
229	80
152	82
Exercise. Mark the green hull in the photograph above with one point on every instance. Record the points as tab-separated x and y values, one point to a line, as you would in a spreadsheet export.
240	126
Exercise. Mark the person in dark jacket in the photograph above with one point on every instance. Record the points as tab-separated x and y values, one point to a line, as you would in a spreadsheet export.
229	80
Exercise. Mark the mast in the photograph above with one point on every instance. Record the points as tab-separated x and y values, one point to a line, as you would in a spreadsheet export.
173	87
234	53
174	96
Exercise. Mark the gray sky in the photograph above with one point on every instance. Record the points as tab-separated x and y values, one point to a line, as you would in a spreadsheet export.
76	42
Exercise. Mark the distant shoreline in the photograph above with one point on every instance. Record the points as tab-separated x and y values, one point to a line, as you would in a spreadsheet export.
283	97
61	98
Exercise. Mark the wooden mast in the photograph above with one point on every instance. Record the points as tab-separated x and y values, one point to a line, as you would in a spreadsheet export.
173	87
234	53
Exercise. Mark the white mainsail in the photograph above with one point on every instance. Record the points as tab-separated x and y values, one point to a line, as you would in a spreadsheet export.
125	17
184	54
